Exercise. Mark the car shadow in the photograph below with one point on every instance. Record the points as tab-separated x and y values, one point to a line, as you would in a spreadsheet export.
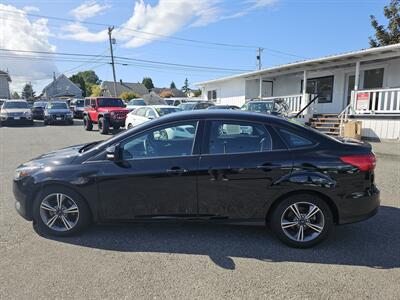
374	243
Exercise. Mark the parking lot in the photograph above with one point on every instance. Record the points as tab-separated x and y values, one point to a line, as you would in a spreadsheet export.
190	260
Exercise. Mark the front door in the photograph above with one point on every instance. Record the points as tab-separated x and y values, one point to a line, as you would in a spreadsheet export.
156	176
239	170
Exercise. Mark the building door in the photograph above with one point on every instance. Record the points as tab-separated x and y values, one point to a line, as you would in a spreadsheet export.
350	83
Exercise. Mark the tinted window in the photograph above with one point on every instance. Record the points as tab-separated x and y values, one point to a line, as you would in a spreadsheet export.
187	106
39	104
15	104
293	140
172	140
238	137
166	110
79	103
262	107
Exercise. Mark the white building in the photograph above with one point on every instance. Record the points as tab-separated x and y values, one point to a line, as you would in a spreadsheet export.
5	80
364	84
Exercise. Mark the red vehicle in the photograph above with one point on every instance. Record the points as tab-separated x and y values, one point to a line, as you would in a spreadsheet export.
106	112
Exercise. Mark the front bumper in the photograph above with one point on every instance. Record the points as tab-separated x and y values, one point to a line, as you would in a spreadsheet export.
24	195
360	207
54	119
16	120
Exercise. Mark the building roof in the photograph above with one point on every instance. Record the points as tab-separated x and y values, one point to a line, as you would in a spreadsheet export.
107	88
58	78
360	55
153	99
4	73
175	92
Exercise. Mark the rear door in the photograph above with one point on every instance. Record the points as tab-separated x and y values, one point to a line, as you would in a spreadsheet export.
240	169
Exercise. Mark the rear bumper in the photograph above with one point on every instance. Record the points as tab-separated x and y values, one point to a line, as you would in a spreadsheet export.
360	208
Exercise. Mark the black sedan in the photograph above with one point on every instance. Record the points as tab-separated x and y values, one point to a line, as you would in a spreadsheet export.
38	110
228	166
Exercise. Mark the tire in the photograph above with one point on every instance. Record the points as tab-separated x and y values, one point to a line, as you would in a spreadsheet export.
45	122
87	123
104	126
116	127
71	122
315	228
61	223
130	126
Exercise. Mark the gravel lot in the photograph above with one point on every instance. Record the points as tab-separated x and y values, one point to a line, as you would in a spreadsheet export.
189	260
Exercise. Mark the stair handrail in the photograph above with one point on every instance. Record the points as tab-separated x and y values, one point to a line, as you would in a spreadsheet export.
344	116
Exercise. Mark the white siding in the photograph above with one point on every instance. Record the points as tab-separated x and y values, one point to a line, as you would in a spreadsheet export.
388	129
228	92
4	88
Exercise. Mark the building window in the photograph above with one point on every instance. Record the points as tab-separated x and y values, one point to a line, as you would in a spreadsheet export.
373	78
323	86
212	95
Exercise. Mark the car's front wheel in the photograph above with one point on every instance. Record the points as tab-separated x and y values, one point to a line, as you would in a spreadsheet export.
302	221
60	211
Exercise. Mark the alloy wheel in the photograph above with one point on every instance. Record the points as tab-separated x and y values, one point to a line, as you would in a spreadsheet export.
59	212
302	221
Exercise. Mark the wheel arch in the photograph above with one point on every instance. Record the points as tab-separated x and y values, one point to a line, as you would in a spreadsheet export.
328	201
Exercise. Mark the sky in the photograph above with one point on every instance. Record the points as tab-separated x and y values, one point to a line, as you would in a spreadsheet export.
189	32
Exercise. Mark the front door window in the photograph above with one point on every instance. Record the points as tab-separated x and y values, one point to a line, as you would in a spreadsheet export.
373	78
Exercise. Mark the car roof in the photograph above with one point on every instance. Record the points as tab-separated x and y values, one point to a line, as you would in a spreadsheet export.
16	100
161	106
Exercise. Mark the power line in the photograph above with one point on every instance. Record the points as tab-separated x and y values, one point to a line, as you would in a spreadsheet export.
227	45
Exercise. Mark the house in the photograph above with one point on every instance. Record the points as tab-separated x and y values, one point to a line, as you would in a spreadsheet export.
176	93
107	88
61	87
364	85
5	80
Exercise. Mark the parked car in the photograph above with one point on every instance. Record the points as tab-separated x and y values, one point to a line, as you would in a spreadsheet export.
57	112
224	107
260	106
77	107
144	114
175	102
194	105
106	112
38	110
296	179
15	112
135	103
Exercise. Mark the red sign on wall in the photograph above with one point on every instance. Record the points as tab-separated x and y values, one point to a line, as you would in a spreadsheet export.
362	101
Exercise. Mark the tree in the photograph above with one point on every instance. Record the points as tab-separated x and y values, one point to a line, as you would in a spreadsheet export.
185	87
128	96
89	77
15	95
172	86
148	83
27	92
391	33
95	90
197	93
166	94
79	81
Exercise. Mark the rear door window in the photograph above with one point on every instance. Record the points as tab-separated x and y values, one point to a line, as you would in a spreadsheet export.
294	140
227	137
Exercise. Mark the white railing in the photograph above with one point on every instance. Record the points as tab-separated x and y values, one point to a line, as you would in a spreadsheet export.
376	101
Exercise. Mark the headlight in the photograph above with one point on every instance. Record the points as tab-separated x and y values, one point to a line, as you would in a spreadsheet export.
25	171
112	114
27	113
4	115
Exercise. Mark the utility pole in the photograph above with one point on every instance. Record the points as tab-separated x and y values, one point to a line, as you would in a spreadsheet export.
259	63
112	41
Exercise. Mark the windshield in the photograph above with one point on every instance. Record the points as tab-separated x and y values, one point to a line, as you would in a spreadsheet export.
15	104
262	107
57	105
39	104
166	110
80	103
187	106
139	102
110	102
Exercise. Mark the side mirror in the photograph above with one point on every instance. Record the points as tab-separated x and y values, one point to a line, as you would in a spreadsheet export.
113	153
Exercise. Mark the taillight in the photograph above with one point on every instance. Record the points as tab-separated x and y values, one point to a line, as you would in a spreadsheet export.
365	162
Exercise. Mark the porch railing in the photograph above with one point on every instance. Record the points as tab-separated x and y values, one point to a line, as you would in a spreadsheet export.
295	103
376	101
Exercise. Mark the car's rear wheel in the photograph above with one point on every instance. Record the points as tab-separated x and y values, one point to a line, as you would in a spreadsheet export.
60	211
302	221
130	126
104	126
87	123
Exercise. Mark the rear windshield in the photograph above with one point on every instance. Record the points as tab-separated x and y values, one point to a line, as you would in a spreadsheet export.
263	107
137	102
187	106
57	105
165	111
110	102
15	104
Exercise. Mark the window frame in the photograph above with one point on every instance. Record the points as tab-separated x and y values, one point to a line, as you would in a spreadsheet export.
317	78
207	135
314	142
